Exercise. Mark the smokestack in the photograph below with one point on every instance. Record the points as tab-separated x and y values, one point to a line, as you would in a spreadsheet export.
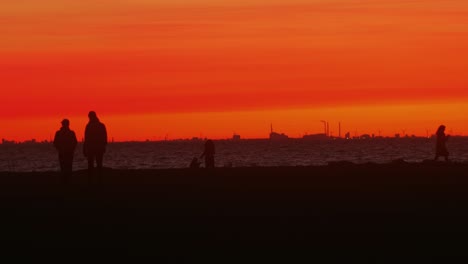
328	129
324	127
339	129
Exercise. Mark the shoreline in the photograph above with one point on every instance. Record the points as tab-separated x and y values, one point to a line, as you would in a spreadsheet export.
332	165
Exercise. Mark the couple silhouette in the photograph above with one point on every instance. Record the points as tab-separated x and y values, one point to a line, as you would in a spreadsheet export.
94	147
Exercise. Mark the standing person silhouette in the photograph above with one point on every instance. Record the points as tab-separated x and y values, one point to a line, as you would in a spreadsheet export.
441	148
95	143
65	143
209	153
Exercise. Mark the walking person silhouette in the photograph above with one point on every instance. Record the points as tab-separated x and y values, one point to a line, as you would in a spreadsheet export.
441	139
94	146
209	154
65	142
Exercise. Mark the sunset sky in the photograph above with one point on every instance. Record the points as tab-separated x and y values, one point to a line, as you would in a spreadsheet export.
211	68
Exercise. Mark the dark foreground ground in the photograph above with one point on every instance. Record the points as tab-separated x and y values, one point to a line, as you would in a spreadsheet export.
368	213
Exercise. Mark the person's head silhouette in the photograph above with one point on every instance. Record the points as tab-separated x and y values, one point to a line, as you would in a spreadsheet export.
92	116
440	130
65	123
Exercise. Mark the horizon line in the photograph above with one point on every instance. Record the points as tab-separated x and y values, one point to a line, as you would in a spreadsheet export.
329	138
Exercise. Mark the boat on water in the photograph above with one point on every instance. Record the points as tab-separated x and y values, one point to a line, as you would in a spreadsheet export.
277	136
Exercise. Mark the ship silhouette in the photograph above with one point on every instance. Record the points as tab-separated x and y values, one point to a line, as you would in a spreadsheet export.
277	136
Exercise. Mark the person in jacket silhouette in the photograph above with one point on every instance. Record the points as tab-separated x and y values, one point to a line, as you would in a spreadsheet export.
441	139
65	142
209	154
95	142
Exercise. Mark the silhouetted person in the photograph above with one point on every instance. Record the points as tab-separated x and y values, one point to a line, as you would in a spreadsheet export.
65	143
209	153
95	143
441	148
195	164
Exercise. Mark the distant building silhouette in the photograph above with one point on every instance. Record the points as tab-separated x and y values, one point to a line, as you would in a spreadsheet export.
365	136
65	142
95	142
8	142
316	137
348	135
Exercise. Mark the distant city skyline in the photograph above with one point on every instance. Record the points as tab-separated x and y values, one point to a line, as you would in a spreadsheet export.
224	129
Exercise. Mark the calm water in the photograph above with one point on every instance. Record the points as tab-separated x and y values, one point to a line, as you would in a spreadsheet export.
245	153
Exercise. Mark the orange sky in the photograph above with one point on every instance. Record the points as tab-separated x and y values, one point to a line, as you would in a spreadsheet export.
184	68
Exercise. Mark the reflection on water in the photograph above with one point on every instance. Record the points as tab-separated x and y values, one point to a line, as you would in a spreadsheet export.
245	153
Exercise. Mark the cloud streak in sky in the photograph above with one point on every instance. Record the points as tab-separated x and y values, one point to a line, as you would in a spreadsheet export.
189	56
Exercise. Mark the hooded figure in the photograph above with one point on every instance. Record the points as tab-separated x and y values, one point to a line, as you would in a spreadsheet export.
95	142
65	143
441	148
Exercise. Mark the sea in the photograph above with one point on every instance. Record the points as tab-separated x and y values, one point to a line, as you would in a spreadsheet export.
29	157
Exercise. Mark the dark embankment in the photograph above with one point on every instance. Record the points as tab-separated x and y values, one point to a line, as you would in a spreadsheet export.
369	212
